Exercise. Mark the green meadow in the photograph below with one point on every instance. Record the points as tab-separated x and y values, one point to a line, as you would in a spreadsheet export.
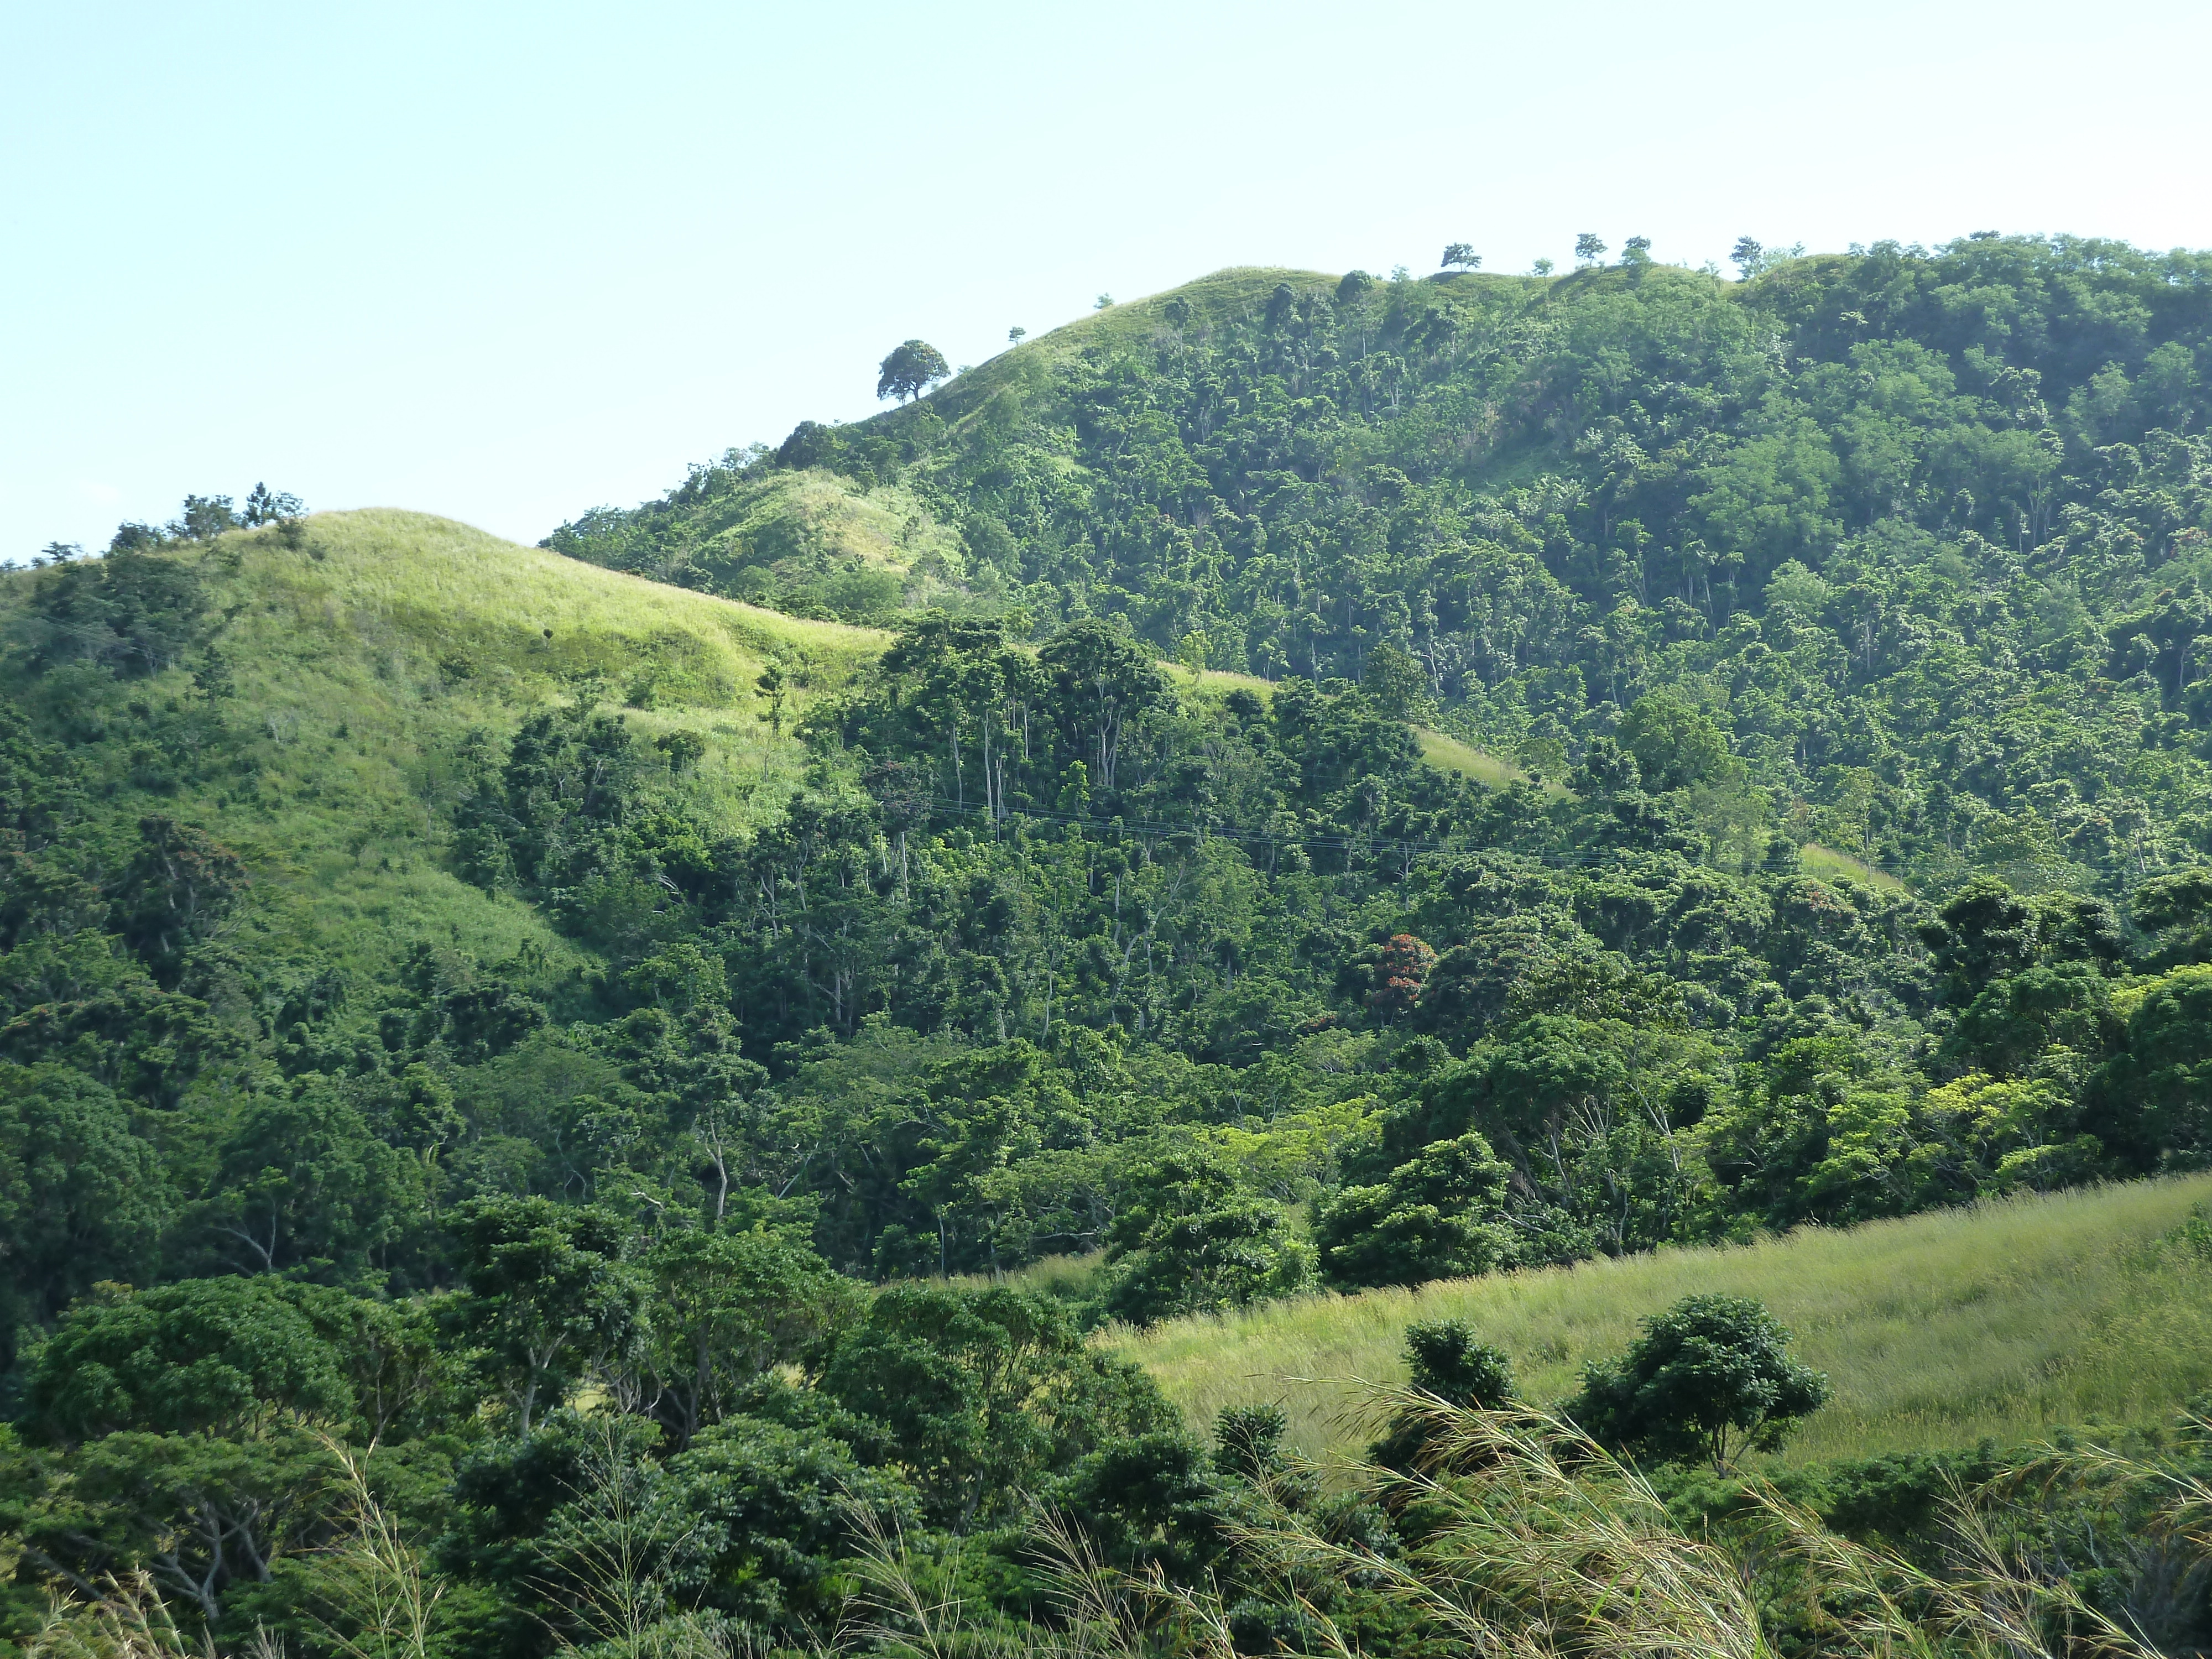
2004	1320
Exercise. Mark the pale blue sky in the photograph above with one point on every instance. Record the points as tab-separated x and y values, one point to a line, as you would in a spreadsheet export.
507	262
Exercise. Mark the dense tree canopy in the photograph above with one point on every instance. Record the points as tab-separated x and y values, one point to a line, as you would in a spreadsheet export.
1693	759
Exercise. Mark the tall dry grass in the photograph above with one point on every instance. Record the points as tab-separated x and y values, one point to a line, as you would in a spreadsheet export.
1530	1543
1526	1541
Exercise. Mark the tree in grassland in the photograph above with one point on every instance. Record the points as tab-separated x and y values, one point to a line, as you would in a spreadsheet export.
1191	652
202	518
1462	255
1435	1216
910	370
1709	1379
1589	247
1443	1358
774	687
1101	683
1396	680
1191	1238
1674	744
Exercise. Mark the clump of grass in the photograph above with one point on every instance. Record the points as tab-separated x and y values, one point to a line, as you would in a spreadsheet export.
372	1576
1448	754
2004	1320
125	1618
1820	861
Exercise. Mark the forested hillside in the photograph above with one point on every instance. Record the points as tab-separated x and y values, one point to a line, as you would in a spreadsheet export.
1298	783
1831	507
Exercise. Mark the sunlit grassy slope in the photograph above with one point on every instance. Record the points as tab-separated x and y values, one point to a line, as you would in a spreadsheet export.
1448	754
814	512
1820	861
364	659
2001	1320
1445	753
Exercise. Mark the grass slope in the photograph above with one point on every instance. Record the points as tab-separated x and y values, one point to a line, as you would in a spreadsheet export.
1827	862
1450	754
2000	1321
365	660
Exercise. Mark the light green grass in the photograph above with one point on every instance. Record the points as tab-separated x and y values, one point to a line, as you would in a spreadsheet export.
1820	861
825	515
361	662
1021	373
2002	1320
1450	755
443	584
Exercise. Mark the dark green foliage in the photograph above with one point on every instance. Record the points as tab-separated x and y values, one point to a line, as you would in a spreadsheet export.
2177	909
1709	1378
83	1199
726	1307
210	1355
1985	932
1188	1240
982	1393
2152	1100
910	370
1674	746
306	1187
1443	1358
2011	1025
137	610
1435	1216
766	1516
550	1298
264	506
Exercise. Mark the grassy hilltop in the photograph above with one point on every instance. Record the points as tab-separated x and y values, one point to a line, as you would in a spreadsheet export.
362	660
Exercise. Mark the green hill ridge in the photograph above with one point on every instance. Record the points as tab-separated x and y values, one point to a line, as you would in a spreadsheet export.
1289	807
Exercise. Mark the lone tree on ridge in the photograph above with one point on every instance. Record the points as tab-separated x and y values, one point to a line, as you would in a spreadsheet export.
910	370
